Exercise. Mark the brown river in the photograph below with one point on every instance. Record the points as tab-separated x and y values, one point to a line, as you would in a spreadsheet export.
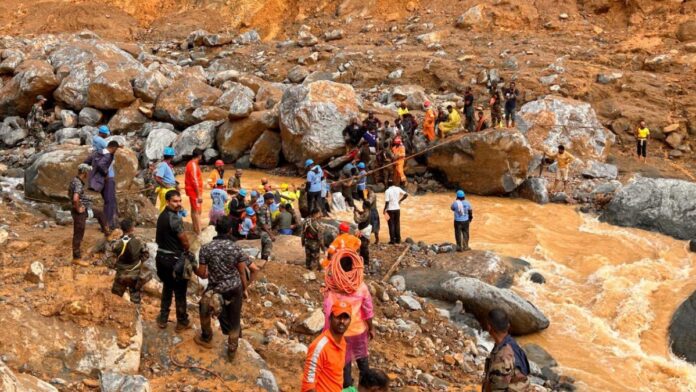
610	292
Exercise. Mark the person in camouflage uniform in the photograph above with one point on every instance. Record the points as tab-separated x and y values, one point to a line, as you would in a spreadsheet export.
37	117
507	366
264	222
313	239
127	255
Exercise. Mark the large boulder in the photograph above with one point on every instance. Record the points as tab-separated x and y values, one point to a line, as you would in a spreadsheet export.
534	189
178	102
234	138
239	100
473	18
128	119
32	78
414	96
265	153
477	297
553	120
110	90
12	131
156	141
687	31
48	177
21	382
201	136
148	85
682	334
493	162
312	119
658	204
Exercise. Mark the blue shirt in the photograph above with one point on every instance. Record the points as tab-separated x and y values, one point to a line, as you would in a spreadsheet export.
246	226
370	139
362	180
98	143
219	197
314	179
166	174
461	210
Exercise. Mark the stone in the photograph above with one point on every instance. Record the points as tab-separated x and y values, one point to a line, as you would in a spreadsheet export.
312	119
472	18
32	78
658	204
68	118
156	141
267	381
534	189
333	35
116	382
658	63
10	64
548	80
35	273
321	75
89	116
553	120
201	136
511	63
396	74
265	154
238	100
12	131
248	37
225	76
297	74
268	95
692	246
492	162
560	197
600	170
538	355
61	163
413	95
671	128
537	278
234	138
281	327
433	37
311	324
398	282
128	119
409	302
305	38
686	31
674	139
177	103
3	236
149	85
22	382
110	90
608	78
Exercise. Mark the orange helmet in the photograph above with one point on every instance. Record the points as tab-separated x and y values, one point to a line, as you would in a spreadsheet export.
219	162
344	227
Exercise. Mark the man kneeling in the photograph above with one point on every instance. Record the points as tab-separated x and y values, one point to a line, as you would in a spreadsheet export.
130	254
225	265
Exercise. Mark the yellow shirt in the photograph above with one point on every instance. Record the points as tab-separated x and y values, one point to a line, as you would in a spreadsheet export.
401	111
643	133
564	159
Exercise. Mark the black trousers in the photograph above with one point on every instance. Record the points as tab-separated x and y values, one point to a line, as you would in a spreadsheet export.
79	226
394	226
171	287
461	234
313	201
365	250
363	366
230	315
642	147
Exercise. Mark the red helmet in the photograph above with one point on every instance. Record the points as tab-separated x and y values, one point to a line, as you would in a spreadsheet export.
219	162
344	227
397	140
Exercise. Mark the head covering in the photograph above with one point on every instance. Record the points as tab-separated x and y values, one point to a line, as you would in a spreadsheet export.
104	129
268	196
397	140
219	182
250	211
339	308
460	194
84	168
361	165
219	162
308	163
169	152
344	227
283	187
243	192
254	194
426	104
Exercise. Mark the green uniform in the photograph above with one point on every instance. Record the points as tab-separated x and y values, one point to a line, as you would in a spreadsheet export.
501	374
263	223
312	240
127	256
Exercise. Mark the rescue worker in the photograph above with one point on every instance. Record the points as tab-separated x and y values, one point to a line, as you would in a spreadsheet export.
642	136
344	240
313	185
323	368
393	197
371	122
362	181
511	94
102	179
283	221
225	265
235	182
373	380
148	175
218	173
402	109
171	260
264	224
374	213
399	155
469	122
164	177
247	227
288	194
353	133
99	141
81	210
507	367
463	214
362	219
128	256
193	184
219	199
313	240
563	161
454	121
429	122
235	209
496	114
37	118
481	123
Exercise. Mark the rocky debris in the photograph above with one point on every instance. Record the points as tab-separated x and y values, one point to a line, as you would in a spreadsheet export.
664	205
537	278
608	78
201	136
398	282
3	236
11	382
40	178
35	273
472	18
560	197
333	35
305	38
265	153
409	302
234	138
600	170
178	102
297	74
90	117
312	119
682	334
156	141
687	31
68	118
395	74
552	120
32	78
492	162
539	356
13	130
312	323
116	382
110	90
412	95
534	189
239	100
148	85
128	119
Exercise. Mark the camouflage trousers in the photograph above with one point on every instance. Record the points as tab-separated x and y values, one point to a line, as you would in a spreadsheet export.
496	116
133	280
313	254
266	245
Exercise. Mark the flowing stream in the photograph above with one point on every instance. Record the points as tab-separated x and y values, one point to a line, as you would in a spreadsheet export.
610	292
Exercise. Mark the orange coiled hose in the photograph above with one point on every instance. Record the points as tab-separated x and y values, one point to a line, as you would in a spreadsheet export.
337	279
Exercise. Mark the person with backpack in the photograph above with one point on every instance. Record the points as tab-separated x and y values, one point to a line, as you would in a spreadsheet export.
128	256
507	367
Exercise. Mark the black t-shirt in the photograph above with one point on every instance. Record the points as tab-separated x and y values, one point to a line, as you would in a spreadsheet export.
468	100
235	206
169	226
511	97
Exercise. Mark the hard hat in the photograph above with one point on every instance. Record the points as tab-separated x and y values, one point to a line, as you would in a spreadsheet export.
344	227
284	187
220	182
308	163
169	152
460	194
426	104
219	162
361	165
250	211
104	129
243	192
254	194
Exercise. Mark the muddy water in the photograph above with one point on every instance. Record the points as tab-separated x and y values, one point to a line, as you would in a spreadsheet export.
610	291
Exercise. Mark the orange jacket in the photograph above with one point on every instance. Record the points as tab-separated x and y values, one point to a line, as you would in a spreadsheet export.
323	369
429	125
344	241
193	178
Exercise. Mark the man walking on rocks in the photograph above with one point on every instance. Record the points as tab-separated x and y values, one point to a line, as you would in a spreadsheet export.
463	214
563	161
393	197
313	240
429	122
469	122
507	366
510	94
102	179
81	210
265	224
36	119
193	184
172	252
323	368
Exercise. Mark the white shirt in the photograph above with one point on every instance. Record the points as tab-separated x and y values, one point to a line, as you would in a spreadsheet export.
392	197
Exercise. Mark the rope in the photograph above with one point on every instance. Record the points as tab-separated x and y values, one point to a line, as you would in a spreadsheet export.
193	367
337	279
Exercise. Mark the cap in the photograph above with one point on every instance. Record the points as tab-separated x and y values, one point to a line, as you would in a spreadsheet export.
308	163
219	162
104	129
339	308
84	168
169	152
268	196
426	104
243	192
460	194
284	187
344	227
361	165
254	194
219	182
250	211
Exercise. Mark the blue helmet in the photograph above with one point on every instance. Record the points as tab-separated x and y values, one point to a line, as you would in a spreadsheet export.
460	194
104	129
169	152
361	165
250	211
243	192
219	182
308	163
254	194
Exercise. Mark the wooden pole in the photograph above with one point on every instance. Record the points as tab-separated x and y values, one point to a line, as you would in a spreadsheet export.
394	266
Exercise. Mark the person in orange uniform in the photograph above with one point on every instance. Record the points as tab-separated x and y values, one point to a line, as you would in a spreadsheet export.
429	122
193	181
399	153
344	240
323	369
217	174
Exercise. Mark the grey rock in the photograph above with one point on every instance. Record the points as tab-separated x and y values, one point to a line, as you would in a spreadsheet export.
305	38
333	35
560	197
409	302
473	17
608	78
267	381
297	74
200	136
396	74
68	118
601	170
21	382
239	100
35	273
534	189
210	154
156	141
116	382
664	205
320	75
511	63
148	85
548	80
32	78
12	131
248	37
538	355
265	153
537	278
413	95
89	116
224	76
398	282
